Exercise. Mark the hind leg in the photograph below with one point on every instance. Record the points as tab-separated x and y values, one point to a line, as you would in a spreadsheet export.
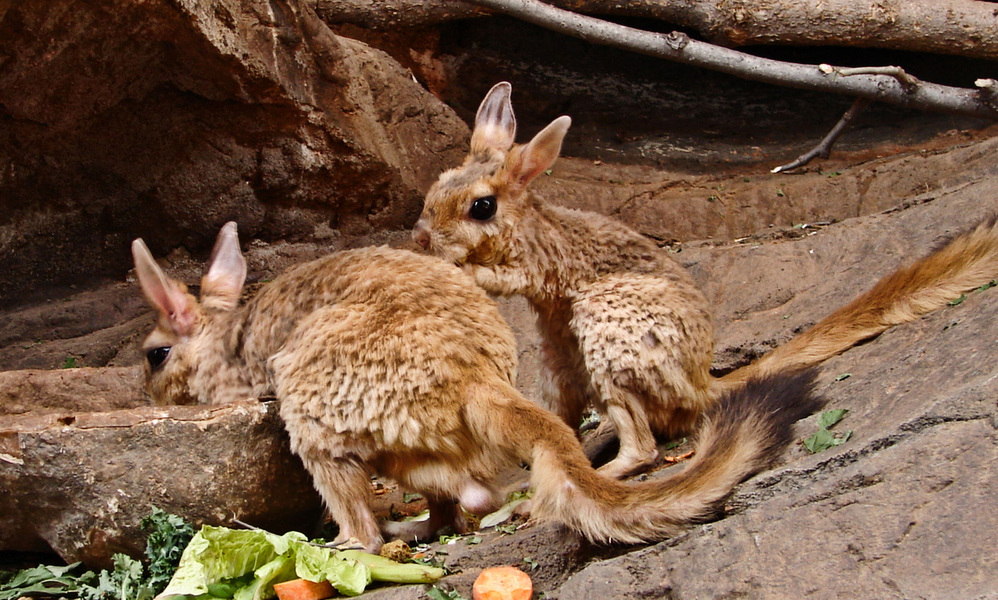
638	448
344	485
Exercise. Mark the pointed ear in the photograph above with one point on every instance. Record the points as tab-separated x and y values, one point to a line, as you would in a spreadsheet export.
527	162
175	306
495	125
222	284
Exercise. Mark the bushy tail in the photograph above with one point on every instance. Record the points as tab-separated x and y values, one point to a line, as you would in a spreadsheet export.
966	262
745	432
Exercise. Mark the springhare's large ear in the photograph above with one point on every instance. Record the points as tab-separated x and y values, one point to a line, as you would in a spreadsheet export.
529	161
172	302
495	124
222	284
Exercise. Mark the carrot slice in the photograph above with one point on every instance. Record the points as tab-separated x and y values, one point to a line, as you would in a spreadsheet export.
502	583
303	589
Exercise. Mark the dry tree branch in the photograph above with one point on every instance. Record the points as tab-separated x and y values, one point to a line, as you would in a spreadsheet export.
678	47
955	27
824	147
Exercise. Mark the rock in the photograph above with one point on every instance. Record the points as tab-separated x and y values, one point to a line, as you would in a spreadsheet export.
892	513
79	483
901	510
40	391
166	119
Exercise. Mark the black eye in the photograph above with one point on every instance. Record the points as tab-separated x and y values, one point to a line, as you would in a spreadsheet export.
157	356
484	208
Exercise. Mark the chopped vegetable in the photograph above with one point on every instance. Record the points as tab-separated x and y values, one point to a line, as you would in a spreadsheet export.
303	589
247	564
384	569
502	583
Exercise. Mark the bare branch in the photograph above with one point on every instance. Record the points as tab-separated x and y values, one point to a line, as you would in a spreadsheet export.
909	81
680	48
955	27
824	147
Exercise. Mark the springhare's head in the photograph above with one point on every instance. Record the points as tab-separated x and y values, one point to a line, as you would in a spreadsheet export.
471	212
185	340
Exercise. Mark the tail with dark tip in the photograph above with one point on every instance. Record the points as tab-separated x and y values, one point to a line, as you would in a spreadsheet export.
745	432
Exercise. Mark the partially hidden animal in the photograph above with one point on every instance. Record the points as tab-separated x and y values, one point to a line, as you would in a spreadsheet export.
391	362
623	327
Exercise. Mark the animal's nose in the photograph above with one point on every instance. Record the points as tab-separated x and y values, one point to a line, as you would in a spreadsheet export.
421	235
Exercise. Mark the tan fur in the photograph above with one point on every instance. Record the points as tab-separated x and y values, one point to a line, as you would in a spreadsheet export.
623	327
389	362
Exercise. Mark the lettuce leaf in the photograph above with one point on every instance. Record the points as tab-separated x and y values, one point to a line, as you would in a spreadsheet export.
348	576
217	554
245	564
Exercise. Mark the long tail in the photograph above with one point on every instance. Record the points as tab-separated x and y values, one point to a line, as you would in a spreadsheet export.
966	262
745	432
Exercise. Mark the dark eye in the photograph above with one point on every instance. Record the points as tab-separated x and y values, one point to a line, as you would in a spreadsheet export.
157	356
484	208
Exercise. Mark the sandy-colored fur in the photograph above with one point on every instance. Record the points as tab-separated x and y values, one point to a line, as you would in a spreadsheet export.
389	362
623	327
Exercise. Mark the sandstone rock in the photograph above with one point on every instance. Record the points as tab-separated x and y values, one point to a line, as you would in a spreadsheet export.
166	119
40	391
79	483
904	509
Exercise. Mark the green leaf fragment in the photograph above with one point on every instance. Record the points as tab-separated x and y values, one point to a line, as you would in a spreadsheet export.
315	563
435	593
673	444
830	417
823	439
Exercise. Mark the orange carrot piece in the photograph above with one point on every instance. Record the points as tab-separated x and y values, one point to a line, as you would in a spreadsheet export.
502	583
303	589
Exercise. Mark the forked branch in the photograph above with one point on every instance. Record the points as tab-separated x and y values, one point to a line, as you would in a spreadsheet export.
878	84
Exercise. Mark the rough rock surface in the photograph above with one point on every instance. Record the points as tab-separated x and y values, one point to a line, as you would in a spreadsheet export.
167	119
78	483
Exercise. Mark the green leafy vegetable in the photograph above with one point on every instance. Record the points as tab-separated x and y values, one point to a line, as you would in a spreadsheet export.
47	580
168	536
823	439
125	582
215	563
384	569
128	580
217	556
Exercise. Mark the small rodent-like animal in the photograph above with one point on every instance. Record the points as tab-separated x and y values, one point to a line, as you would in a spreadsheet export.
623	327
390	362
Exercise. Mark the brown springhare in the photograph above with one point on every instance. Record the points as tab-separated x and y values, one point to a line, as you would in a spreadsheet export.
395	363
623	327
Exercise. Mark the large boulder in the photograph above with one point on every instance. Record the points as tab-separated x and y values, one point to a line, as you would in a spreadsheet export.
166	119
79	483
